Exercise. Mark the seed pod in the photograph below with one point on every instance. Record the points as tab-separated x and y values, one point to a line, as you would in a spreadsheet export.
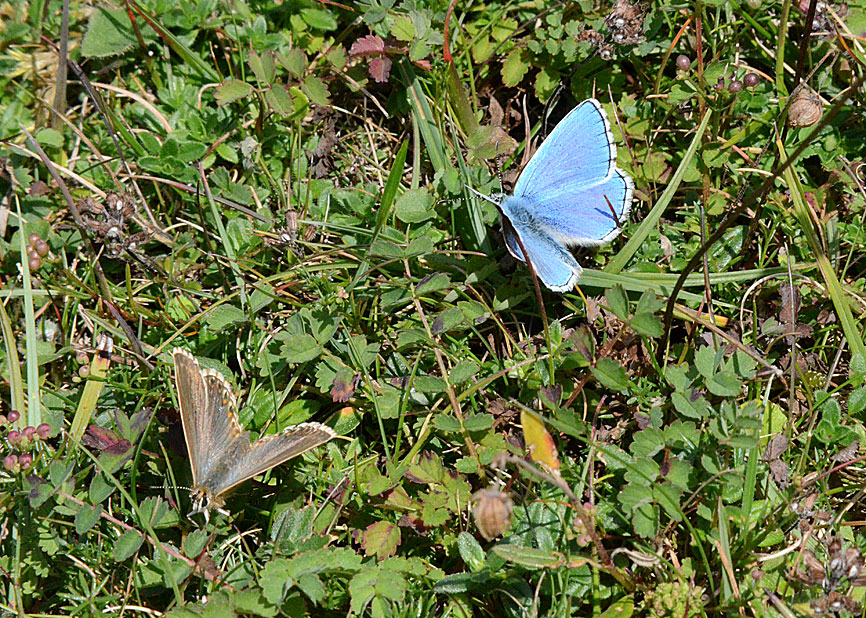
492	512
806	108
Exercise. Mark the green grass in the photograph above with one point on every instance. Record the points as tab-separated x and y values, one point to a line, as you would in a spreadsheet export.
304	226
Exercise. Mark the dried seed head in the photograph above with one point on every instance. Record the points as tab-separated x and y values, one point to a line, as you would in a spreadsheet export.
806	108
492	512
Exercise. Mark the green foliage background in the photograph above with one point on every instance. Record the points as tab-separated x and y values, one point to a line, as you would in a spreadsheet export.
303	225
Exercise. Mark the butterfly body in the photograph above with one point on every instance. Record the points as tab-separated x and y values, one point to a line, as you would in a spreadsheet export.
570	194
220	451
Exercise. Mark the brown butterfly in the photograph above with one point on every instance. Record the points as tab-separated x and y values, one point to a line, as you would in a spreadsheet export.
220	452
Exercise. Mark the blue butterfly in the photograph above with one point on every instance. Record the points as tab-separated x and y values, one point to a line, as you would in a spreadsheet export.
571	193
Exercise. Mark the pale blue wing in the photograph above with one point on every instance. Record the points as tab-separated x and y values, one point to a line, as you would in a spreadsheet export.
578	153
553	263
590	216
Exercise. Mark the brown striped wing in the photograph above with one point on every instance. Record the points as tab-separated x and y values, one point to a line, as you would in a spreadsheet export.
247	460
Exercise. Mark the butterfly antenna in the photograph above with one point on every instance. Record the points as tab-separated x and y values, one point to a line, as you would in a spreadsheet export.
169	487
499	167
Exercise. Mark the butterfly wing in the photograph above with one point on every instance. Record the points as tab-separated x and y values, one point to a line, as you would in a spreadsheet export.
590	216
267	452
553	263
192	395
578	153
207	409
572	182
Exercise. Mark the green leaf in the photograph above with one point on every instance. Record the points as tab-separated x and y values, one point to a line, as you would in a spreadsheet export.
263	67
529	556
685	406
280	100
109	33
459	583
617	301
514	68
668	496
127	544
319	19
470	551
316	89
724	384
232	90
705	361
252	601
403	29
446	423
224	316
99	489
294	61
857	401
463	371
478	422
50	138
194	543
647	325
610	374
300	348
86	517
414	206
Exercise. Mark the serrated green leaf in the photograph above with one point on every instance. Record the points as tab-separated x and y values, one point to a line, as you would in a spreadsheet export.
224	316
232	90
724	384
316	89
99	489
647	325
514	68
194	543
127	544
463	371
300	348
381	539
294	61
402	28
280	100
617	301
86	517
478	422
109	33
446	423
320	19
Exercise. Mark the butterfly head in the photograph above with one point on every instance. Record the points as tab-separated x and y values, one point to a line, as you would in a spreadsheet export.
203	501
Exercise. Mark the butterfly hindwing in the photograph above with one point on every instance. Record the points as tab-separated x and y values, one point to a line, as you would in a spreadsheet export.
553	263
589	217
579	152
270	451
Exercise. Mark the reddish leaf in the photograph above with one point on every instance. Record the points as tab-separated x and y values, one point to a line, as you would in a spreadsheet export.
341	390
370	45
380	69
381	539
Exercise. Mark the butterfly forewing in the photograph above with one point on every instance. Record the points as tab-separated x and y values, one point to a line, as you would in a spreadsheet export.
192	395
578	153
249	460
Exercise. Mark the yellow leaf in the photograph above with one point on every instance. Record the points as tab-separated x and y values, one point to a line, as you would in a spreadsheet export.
538	441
